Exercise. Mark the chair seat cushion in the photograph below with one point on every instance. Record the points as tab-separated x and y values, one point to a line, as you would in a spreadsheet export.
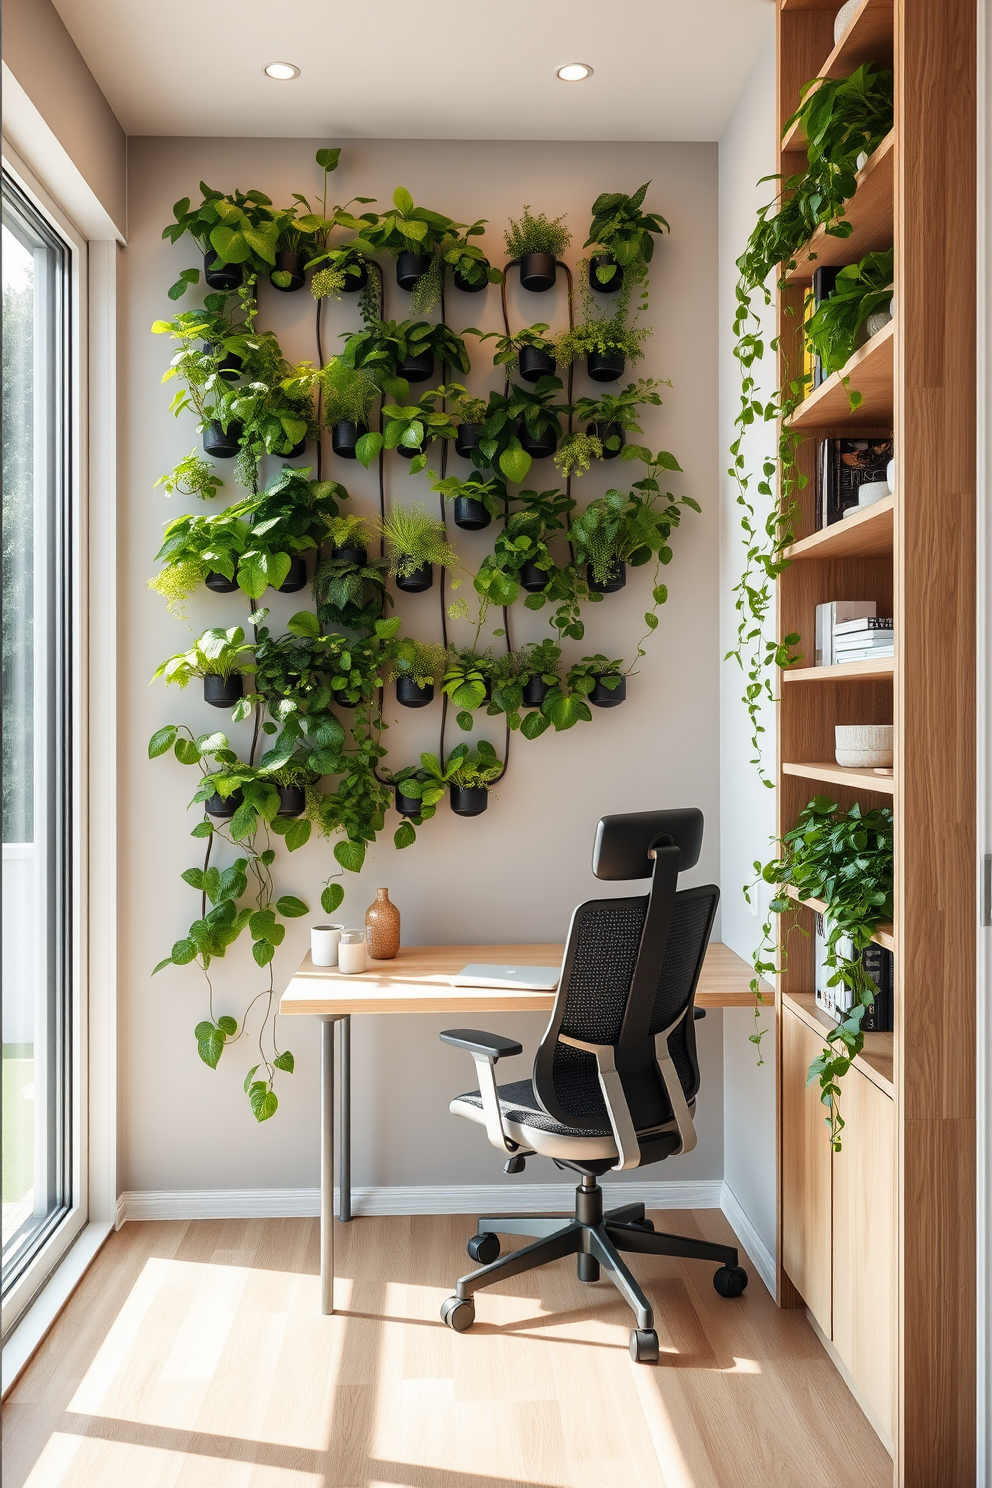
518	1104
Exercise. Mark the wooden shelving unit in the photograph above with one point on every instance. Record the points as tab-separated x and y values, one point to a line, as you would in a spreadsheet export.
900	1197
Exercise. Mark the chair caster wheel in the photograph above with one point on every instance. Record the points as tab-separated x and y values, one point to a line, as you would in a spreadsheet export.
643	1224
484	1249
644	1346
458	1313
730	1281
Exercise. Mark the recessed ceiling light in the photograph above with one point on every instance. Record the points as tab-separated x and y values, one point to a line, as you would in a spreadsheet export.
283	72
574	72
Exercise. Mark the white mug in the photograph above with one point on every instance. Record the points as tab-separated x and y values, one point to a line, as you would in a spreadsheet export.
324	944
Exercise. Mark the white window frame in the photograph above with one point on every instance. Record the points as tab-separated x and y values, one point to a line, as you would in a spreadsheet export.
37	1296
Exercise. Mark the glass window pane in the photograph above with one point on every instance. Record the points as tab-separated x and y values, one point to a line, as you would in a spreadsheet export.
35	724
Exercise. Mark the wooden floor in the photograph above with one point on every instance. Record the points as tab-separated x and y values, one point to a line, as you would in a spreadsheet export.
193	1355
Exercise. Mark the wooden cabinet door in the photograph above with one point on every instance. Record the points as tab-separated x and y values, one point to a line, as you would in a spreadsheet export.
806	1225
864	1244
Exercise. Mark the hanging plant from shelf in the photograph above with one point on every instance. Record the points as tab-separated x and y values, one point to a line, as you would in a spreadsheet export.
843	119
862	290
844	859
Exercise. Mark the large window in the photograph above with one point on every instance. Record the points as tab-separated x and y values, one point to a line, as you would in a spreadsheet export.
37	734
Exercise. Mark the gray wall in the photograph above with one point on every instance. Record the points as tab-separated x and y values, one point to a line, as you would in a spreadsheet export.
747	152
514	874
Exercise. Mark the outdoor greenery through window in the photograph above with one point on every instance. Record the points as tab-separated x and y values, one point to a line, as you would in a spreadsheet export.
36	725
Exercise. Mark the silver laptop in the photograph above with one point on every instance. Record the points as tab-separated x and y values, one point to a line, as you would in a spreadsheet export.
524	978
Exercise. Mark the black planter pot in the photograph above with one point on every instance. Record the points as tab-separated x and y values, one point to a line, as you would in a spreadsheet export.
606	366
296	579
222	446
603	432
224	806
358	556
292	800
220	276
230	367
407	452
460	282
532	578
467	439
344	436
470	515
220	584
297	450
417	368
417	582
534	363
410	267
294	265
534	692
354	283
617	579
343	702
539	446
412	696
600	260
538	272
407	805
223	692
468	800
602	697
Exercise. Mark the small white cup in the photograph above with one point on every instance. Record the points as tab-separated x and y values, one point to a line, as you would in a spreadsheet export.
352	953
324	944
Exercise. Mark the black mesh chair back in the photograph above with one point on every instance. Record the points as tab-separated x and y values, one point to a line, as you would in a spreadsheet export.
630	973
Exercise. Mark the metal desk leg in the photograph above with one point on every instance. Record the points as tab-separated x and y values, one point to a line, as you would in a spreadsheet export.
344	1137
327	1165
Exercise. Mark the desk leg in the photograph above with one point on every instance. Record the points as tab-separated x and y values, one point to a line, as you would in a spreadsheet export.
344	1119
327	1165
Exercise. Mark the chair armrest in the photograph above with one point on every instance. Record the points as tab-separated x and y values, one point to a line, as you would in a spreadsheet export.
617	1109
493	1045
485	1049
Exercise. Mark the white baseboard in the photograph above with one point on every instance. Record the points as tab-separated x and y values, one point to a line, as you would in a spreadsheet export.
485	1198
761	1256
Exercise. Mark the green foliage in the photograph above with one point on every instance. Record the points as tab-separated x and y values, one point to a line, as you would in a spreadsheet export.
383	345
605	335
508	347
576	453
217	653
536	233
620	408
412	538
346	394
411	427
843	118
424	661
861	289
471	769
241	228
458	253
620	228
491	493
845	859
193	476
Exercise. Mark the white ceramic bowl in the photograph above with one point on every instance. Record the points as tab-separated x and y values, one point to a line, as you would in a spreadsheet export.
843	18
863	745
872	491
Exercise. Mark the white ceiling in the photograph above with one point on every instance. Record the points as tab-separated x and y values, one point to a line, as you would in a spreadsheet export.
422	69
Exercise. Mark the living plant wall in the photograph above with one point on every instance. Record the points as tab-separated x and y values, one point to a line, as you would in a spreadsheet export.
313	698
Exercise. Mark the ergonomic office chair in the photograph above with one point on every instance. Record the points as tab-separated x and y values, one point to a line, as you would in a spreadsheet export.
615	1075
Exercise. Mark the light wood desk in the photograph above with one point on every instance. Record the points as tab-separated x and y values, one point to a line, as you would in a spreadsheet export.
418	981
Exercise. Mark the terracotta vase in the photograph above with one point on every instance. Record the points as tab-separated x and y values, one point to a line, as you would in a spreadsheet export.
382	921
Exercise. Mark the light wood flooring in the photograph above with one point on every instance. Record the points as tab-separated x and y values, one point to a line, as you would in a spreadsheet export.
193	1355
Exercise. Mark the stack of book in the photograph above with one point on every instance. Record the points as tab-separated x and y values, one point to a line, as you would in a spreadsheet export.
836	1001
832	614
863	639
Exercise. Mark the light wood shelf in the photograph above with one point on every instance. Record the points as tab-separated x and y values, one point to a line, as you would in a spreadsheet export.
884	935
868	534
869	212
845	671
842	775
870	374
867	38
876	1059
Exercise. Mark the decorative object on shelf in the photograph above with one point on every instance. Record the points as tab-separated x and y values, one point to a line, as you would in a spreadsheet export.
352	953
845	859
324	944
844	17
831	614
868	495
890	477
538	242
382	927
843	467
865	746
878	320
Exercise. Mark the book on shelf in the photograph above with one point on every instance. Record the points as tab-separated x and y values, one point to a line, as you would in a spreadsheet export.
823	285
843	466
864	622
837	1001
868	654
835	612
883	641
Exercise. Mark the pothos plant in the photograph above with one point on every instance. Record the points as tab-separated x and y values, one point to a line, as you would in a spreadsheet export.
843	119
845	859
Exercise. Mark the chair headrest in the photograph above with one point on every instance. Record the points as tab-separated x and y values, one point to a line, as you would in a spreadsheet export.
623	841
